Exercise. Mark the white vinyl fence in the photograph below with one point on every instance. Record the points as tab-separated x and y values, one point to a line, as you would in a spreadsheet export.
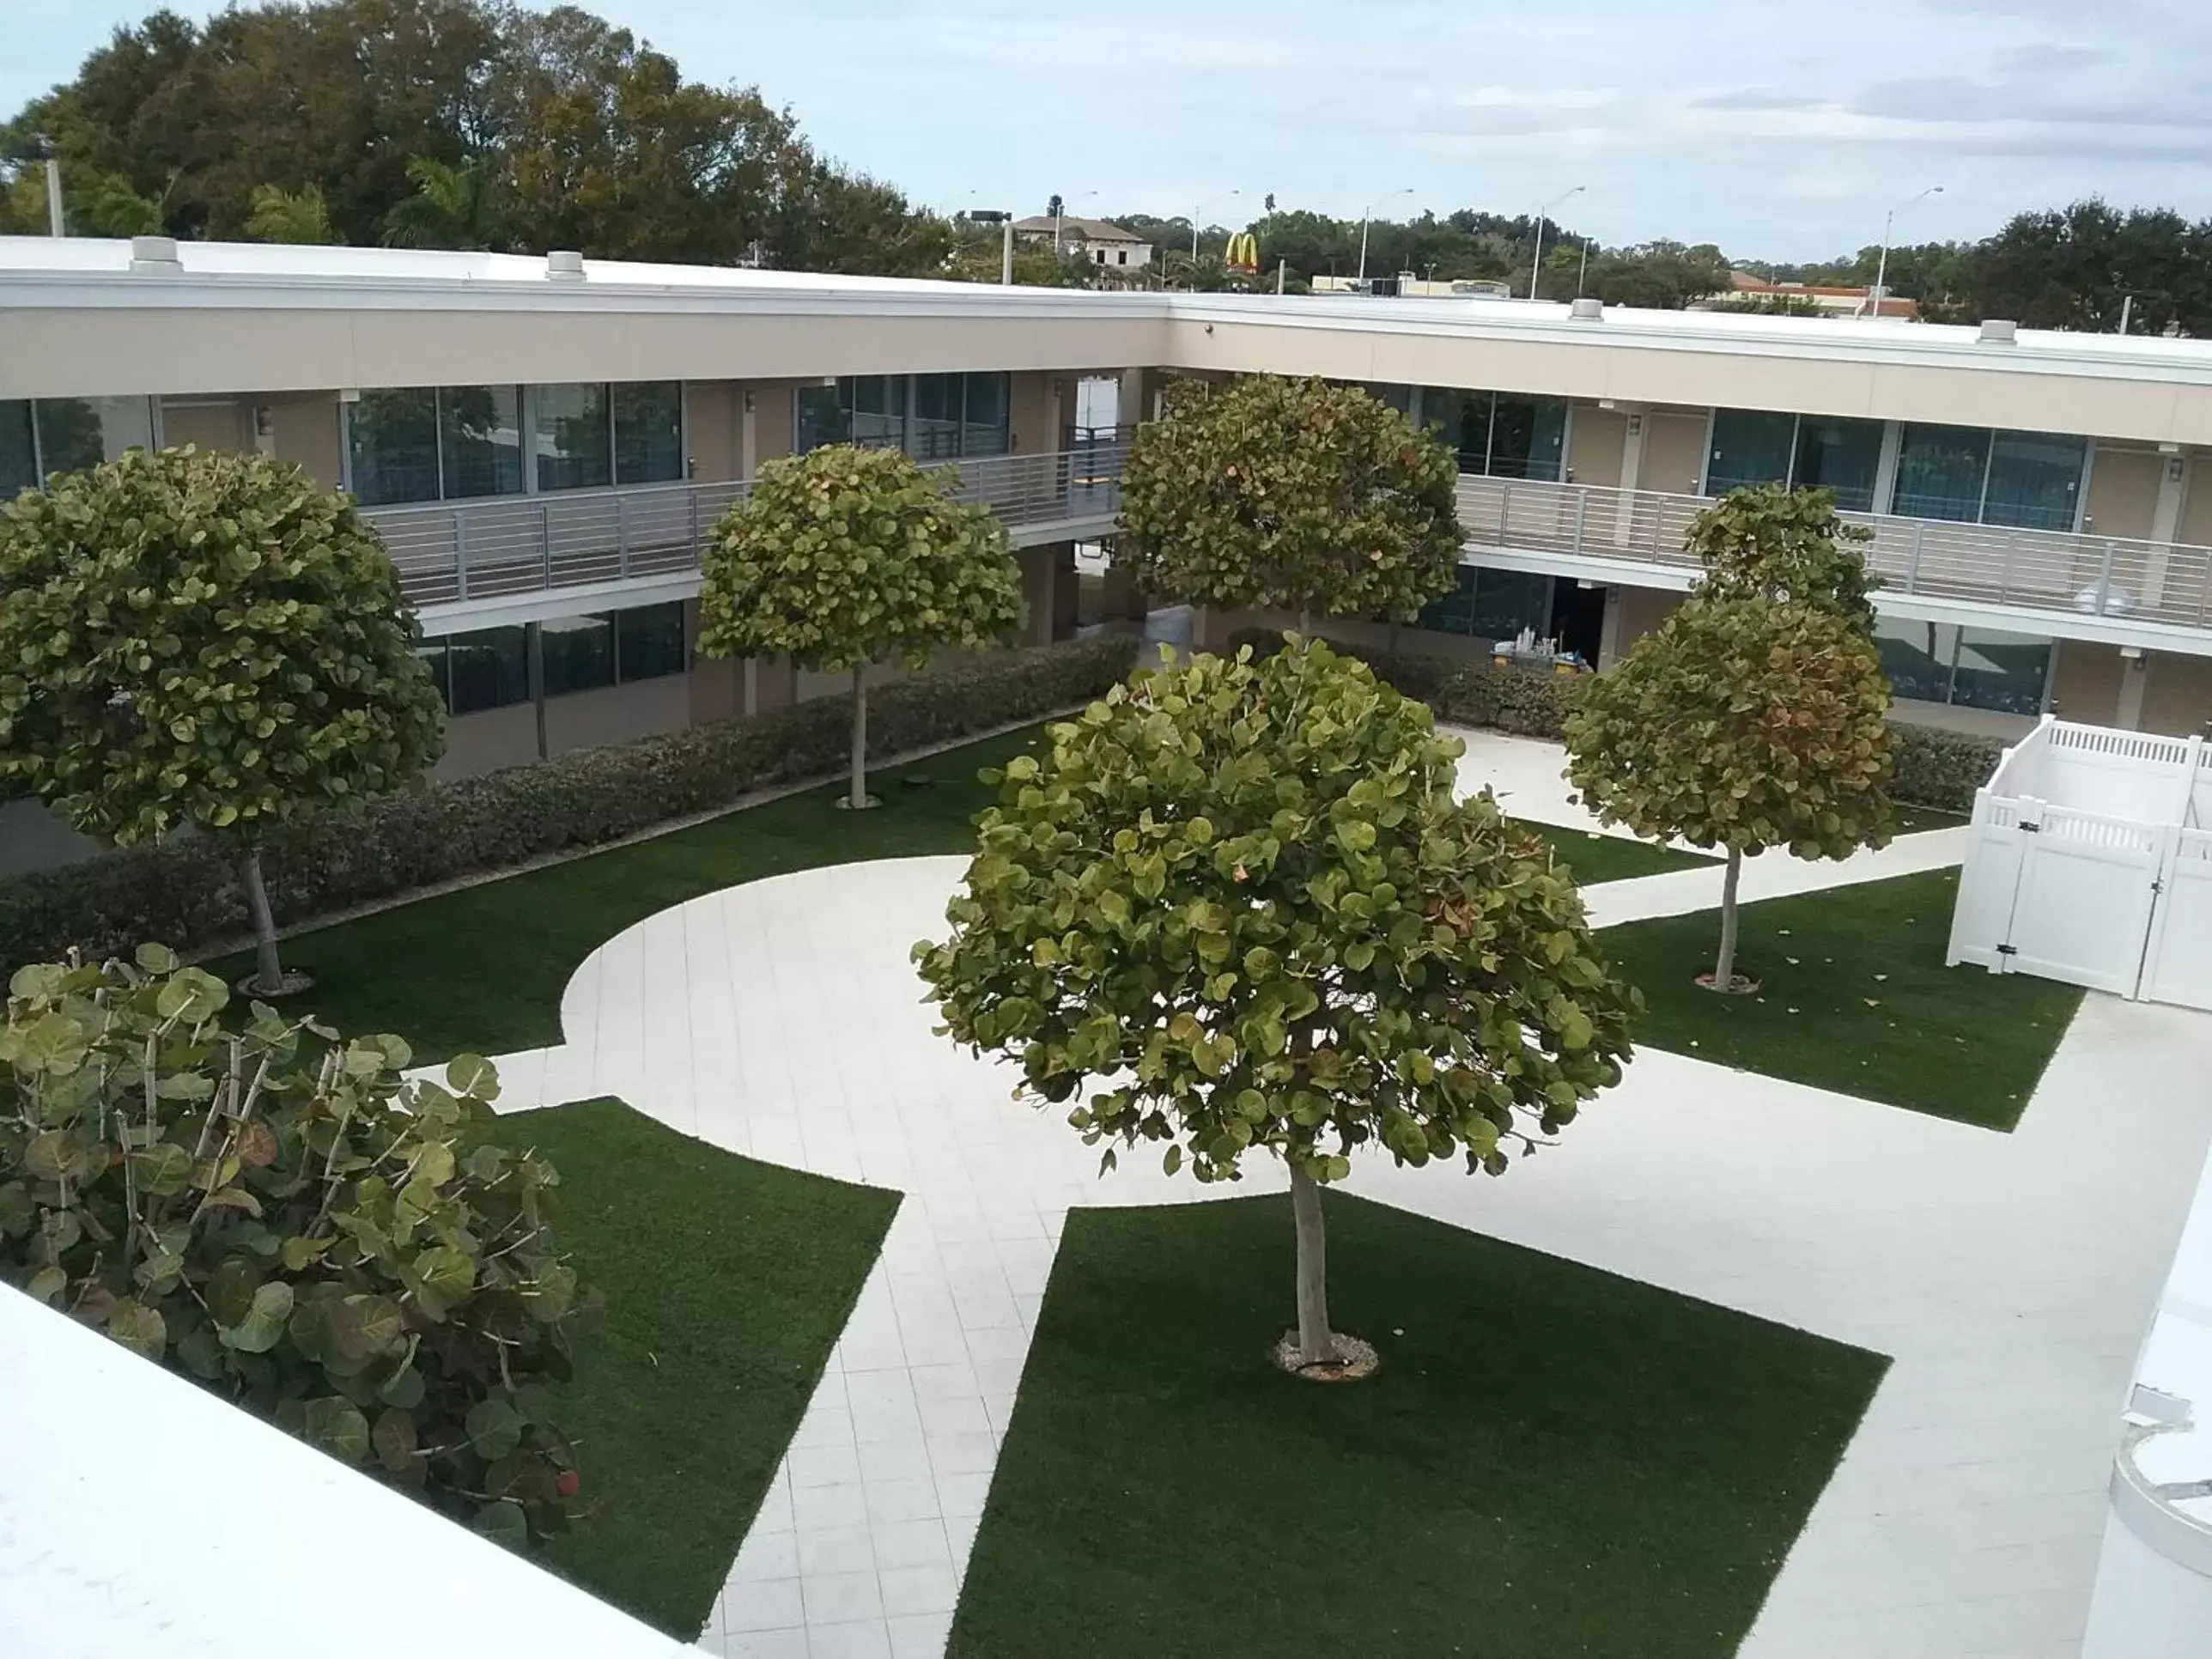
2089	861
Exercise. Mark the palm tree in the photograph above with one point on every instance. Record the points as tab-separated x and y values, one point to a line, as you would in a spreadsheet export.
454	207
290	216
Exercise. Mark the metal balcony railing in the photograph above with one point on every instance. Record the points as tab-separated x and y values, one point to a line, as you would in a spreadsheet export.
2036	570
515	544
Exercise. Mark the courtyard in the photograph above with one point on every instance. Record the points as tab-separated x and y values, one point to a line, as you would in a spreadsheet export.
1803	1345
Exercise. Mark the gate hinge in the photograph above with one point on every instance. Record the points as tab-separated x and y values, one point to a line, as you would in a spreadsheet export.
2031	829
2157	885
2008	950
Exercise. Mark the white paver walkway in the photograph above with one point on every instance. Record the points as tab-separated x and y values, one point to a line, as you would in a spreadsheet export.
2011	1276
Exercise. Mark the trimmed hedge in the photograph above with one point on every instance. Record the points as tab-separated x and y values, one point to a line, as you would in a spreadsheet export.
185	891
1935	769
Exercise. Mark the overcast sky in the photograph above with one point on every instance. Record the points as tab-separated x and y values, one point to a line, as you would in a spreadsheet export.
1778	132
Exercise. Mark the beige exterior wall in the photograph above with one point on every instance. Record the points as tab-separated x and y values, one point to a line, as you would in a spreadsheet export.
2177	694
1642	610
2197	506
1034	413
2087	684
2123	492
83	351
1673	451
305	430
226	425
775	419
1828	373
1598	441
712	413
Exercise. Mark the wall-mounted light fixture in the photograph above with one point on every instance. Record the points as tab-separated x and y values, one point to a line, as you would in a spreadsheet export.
749	401
2175	466
1635	425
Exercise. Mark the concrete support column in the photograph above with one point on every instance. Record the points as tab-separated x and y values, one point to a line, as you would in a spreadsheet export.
1608	638
1134	402
1631	471
2165	521
2134	680
748	435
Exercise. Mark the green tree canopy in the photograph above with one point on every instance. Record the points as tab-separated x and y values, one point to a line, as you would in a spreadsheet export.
1742	724
289	215
1239	901
1273	493
845	557
207	639
1770	541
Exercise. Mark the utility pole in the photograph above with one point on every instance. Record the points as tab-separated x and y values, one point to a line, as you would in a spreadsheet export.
2127	310
1537	265
1366	214
992	217
43	147
1881	271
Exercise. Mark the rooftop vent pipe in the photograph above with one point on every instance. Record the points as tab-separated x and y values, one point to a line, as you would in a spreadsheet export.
564	265
1587	310
1998	331
155	255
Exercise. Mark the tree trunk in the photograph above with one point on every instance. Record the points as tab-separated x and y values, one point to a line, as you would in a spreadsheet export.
1316	1342
1305	624
859	796
269	972
1393	635
1724	969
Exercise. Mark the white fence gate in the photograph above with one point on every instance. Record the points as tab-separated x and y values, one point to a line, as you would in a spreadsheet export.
2089	861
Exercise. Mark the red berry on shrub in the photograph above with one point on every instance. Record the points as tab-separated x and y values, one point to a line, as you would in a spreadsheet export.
566	1483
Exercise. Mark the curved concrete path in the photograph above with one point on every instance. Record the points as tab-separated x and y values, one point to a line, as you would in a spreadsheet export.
2009	1275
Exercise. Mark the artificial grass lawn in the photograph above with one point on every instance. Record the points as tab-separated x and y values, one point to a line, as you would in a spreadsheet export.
1595	858
1854	997
1551	1460
482	969
726	1282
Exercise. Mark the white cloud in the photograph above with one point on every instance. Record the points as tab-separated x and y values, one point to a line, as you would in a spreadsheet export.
1770	140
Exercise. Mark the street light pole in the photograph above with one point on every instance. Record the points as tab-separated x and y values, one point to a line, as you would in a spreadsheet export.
992	217
1543	212
43	147
1881	269
1197	214
1366	214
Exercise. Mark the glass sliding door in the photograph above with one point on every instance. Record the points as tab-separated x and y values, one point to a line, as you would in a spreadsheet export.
570	440
1527	437
648	432
987	418
480	441
391	447
822	418
1461	420
1941	472
2001	671
933	435
875	407
1749	446
2035	480
1839	455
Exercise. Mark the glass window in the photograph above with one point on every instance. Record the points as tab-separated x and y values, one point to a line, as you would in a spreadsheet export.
935	434
1916	656
19	457
1462	419
1940	472
1839	455
648	432
875	406
2035	480
1452	613
480	441
649	642
986	423
569	438
825	417
579	653
391	447
488	669
1749	446
1507	601
1399	397
75	432
1527	437
2001	671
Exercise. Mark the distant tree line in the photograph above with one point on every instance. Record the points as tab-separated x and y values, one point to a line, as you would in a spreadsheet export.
2080	267
467	123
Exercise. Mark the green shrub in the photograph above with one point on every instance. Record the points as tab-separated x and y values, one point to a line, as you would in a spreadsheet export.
1933	768
184	890
1940	769
270	1210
